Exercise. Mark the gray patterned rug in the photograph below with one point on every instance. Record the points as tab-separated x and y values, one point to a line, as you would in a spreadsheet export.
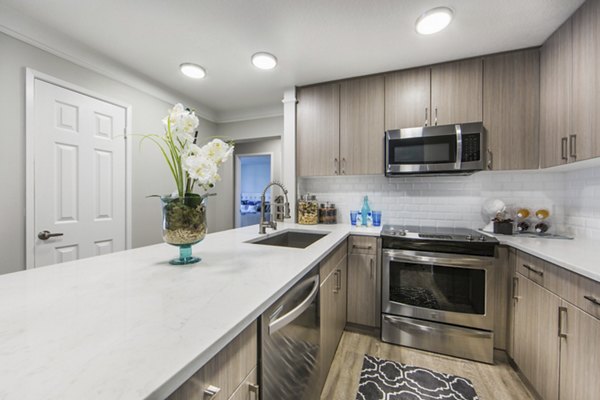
389	380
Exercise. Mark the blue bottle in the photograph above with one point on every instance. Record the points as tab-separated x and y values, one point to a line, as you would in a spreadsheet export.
365	212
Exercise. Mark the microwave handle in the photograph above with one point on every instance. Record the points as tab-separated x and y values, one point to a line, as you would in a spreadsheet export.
458	131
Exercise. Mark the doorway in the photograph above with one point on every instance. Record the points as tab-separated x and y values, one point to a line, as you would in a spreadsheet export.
78	173
253	172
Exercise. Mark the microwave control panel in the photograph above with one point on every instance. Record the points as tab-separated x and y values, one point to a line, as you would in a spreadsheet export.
471	147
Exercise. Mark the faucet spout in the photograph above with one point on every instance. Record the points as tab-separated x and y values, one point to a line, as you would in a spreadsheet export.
264	224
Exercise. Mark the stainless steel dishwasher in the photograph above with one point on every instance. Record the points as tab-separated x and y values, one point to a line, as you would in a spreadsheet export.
290	343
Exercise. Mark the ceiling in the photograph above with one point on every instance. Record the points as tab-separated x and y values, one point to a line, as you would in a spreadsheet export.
314	40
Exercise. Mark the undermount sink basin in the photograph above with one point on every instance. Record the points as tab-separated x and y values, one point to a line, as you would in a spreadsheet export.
296	239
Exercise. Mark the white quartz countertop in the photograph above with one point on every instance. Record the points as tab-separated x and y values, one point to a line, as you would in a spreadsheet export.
577	255
129	325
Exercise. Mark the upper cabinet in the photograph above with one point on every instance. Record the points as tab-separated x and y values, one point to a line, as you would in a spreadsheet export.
408	98
361	126
584	140
340	128
570	89
318	130
443	94
456	92
511	109
555	97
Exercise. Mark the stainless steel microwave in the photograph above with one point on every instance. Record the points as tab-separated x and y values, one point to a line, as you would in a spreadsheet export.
458	148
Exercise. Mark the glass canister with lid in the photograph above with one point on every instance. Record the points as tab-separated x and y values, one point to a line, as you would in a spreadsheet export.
308	210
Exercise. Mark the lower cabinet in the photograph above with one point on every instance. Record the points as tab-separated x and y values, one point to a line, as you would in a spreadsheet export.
579	355
333	307
231	374
554	330
364	303
536	342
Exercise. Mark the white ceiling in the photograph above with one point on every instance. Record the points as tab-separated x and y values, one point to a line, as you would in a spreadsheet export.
314	40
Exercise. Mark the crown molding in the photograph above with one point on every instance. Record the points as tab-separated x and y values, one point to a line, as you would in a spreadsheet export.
39	35
247	114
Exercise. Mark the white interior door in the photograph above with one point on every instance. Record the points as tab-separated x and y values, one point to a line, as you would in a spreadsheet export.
79	175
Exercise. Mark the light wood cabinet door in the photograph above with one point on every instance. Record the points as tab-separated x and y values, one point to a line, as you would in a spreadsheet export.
511	109
226	370
579	355
407	98
362	290
361	126
512	301
249	389
457	92
340	299
536	342
556	93
584	140
318	130
328	307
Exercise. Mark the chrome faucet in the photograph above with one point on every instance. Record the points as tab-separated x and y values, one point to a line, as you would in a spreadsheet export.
262	227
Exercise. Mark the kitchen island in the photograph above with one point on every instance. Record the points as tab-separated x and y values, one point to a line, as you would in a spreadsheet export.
129	325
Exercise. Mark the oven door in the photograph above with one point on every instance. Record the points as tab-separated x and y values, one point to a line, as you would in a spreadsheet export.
422	150
449	288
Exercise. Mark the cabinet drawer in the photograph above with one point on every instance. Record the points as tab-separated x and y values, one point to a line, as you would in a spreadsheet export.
332	260
225	371
362	245
580	291
531	267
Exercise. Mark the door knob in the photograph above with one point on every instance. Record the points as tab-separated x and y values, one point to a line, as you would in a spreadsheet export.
45	235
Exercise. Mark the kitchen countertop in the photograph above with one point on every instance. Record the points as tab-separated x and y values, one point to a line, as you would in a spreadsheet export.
578	255
129	325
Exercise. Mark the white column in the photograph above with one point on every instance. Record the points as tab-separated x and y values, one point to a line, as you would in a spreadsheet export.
288	150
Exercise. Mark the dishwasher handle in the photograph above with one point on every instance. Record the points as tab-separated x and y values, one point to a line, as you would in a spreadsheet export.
286	319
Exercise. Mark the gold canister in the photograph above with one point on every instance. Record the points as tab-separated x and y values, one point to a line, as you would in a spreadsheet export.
308	210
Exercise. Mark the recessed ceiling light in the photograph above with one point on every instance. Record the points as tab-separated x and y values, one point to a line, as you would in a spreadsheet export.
192	70
434	20
264	60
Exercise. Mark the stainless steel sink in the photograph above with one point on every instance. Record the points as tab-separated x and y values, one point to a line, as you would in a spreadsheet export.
296	239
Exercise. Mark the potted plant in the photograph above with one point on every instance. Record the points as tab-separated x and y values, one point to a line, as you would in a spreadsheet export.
193	167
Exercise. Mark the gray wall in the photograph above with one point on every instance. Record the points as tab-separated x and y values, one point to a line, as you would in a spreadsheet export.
241	132
150	175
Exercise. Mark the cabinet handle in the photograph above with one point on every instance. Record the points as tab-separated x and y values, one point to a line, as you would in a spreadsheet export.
426	116
337	281
573	146
254	388
535	271
515	288
490	159
435	117
211	391
592	299
372	266
561	310
336	165
369	247
343	166
563	149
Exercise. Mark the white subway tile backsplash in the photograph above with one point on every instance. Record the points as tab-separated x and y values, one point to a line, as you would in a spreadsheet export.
455	201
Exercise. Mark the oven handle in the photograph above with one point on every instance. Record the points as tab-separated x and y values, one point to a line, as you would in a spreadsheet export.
447	330
423	257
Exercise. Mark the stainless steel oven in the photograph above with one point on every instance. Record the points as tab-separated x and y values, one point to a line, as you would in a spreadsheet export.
437	290
450	288
457	148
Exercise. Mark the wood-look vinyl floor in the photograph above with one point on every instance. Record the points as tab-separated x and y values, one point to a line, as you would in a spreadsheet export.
492	382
